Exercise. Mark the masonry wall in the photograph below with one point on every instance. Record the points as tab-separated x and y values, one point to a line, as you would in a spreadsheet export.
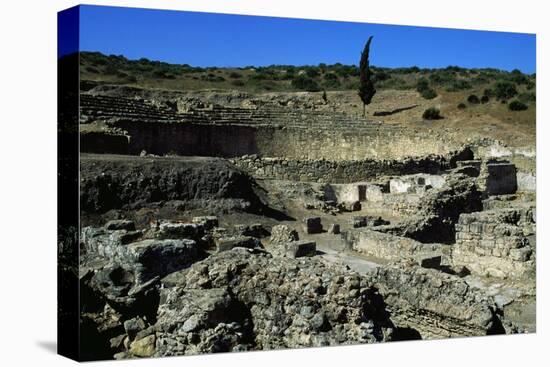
337	171
311	142
389	247
494	243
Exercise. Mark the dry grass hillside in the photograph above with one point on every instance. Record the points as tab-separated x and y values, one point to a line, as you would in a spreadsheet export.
472	102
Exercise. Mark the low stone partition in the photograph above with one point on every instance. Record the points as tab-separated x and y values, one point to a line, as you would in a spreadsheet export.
390	247
345	171
435	304
495	243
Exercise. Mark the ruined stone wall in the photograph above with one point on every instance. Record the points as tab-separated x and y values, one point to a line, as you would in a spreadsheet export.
233	140
394	204
340	143
321	170
389	247
435	304
495	243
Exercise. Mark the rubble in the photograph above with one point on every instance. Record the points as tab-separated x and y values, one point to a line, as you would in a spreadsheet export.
282	303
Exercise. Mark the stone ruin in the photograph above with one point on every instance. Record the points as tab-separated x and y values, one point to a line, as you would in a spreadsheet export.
252	225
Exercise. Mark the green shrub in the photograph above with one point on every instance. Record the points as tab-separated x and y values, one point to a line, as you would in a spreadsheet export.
459	85
428	93
235	75
330	76
484	99
380	76
422	84
472	98
505	90
237	83
518	77
332	84
489	93
443	77
312	73
432	113
527	97
304	83
517	106
461	106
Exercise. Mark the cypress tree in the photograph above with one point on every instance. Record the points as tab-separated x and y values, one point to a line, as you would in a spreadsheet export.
366	86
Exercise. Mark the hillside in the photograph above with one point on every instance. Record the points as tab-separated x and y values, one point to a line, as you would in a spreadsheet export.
476	102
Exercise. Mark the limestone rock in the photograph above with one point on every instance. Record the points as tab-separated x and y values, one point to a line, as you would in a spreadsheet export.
143	347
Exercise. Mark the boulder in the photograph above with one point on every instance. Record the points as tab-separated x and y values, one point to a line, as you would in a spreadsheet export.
143	347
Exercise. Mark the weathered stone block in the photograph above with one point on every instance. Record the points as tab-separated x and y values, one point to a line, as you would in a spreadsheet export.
313	225
228	243
301	248
476	227
179	230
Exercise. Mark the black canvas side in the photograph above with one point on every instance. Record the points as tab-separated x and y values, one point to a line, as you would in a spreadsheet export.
68	340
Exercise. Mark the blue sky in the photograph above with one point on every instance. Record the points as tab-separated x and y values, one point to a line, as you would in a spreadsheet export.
206	39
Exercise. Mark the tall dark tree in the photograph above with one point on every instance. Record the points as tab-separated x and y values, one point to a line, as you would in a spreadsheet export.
366	86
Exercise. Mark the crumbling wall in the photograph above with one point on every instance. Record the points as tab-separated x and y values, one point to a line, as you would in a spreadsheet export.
495	243
343	171
436	304
389	247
